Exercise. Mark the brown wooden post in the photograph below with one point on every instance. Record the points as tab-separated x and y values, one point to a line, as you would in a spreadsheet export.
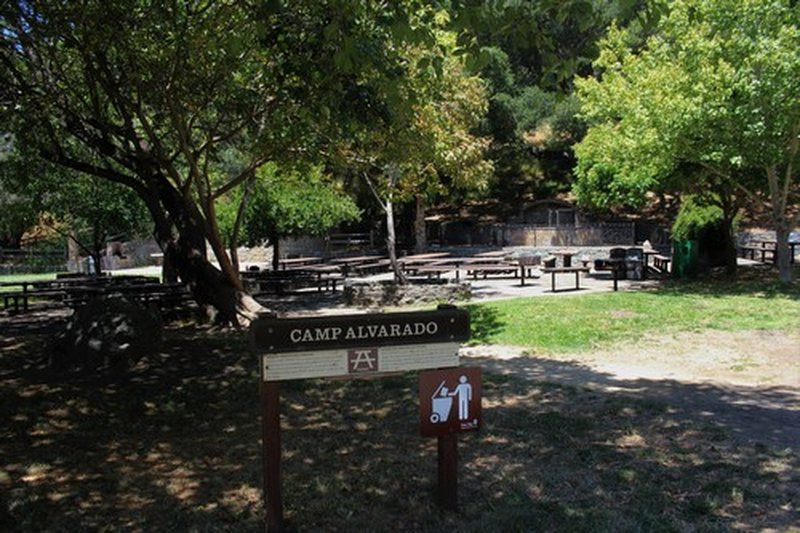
271	443
448	471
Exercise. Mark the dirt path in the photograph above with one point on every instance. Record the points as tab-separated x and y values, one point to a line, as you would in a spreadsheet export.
746	383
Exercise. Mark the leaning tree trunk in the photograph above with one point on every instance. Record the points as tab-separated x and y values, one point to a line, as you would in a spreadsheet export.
181	233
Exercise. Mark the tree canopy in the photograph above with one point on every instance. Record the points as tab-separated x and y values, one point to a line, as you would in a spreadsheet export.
151	95
708	103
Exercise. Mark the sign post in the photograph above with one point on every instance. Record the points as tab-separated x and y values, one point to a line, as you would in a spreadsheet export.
271	444
360	346
450	403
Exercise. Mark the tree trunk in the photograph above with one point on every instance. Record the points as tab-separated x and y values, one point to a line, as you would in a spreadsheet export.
180	232
73	250
420	235
729	210
276	254
98	247
391	244
781	219
783	258
169	273
237	225
234	252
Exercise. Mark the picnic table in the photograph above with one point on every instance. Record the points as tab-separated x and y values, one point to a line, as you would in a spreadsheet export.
566	270
475	265
413	263
566	256
60	289
355	260
767	246
493	253
415	257
166	295
352	263
13	298
294	262
327	275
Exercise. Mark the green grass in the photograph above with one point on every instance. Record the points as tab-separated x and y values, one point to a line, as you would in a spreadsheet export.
581	322
13	278
27	277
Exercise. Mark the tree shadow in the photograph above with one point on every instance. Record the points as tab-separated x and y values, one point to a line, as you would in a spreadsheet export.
759	281
177	447
485	323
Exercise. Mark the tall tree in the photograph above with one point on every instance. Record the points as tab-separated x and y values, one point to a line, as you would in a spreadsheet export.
148	95
427	146
531	52
709	103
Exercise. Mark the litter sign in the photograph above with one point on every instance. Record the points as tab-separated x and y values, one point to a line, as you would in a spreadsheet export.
450	401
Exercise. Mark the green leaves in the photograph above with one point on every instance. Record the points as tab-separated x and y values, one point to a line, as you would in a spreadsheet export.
710	88
286	203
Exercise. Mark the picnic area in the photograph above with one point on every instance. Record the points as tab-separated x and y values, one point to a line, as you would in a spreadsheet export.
400	266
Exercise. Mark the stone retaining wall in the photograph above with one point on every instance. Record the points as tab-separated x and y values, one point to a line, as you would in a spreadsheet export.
383	293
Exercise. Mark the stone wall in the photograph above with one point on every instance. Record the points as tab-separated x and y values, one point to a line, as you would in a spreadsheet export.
383	293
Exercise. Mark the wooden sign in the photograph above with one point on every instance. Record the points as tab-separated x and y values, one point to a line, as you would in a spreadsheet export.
450	401
359	345
275	335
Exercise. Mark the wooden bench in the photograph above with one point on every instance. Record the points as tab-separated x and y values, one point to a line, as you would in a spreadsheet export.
328	281
14	298
749	250
375	267
430	271
284	281
474	270
565	270
661	263
172	299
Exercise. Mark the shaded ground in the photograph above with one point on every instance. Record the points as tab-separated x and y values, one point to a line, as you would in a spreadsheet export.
697	431
177	448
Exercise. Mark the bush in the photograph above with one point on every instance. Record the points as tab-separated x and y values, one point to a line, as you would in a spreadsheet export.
705	223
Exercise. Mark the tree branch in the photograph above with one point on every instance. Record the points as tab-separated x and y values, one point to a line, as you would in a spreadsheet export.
244	175
375	192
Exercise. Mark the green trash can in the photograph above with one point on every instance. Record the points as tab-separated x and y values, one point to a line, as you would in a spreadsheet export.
684	259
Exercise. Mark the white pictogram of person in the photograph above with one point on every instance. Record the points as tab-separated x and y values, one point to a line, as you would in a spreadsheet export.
464	392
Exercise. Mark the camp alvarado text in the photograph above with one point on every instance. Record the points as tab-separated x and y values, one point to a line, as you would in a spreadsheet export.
371	331
271	334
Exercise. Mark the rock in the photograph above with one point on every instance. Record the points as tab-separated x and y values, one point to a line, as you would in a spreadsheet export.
108	333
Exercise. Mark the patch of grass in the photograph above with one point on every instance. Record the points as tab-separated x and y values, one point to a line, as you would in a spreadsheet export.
581	322
15	278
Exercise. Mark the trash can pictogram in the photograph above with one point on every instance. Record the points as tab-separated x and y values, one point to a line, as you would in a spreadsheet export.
441	404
